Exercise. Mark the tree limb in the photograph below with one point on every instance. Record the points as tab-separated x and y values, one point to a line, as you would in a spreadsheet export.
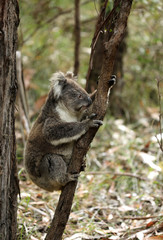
100	105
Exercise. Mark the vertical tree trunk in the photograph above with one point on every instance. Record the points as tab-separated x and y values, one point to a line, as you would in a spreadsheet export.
116	107
77	37
9	188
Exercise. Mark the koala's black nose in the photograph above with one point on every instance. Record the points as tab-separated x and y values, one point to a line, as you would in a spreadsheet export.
89	101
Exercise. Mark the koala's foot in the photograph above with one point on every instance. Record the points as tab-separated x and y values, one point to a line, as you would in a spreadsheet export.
112	81
73	176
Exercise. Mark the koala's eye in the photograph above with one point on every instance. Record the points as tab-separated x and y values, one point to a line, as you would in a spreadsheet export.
80	96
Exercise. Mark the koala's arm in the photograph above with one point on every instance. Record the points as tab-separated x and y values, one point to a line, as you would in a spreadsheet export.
65	132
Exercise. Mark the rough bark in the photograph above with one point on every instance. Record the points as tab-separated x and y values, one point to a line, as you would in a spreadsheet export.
77	37
97	54
100	105
97	51
9	188
117	106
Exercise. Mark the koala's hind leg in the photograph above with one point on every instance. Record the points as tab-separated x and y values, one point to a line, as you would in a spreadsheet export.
53	171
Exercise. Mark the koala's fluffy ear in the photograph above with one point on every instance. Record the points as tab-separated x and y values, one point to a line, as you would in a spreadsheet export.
58	81
71	76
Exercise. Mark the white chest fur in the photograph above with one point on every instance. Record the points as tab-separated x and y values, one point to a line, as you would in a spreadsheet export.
65	115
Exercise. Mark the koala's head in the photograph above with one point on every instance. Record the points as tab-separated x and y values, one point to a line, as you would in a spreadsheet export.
67	91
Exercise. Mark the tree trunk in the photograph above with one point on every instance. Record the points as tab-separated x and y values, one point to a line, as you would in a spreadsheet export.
97	56
93	75
116	108
9	187
122	7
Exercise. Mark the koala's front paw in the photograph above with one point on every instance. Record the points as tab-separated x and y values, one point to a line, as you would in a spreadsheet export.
93	122
112	81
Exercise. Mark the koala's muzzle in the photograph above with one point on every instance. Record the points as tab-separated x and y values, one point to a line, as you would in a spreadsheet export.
89	102
84	104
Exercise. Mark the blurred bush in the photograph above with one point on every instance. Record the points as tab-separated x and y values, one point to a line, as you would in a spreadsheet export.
47	44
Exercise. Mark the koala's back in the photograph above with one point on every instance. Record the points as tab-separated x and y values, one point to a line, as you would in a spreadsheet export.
37	147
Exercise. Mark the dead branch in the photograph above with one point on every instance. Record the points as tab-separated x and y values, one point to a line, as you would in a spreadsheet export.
117	174
156	227
100	105
142	217
77	37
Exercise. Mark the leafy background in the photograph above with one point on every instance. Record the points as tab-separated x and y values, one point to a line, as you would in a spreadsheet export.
109	204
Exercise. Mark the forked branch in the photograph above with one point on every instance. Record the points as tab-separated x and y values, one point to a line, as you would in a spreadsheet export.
117	25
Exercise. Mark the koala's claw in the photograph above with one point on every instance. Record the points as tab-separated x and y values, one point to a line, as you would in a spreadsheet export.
97	123
93	115
112	81
74	176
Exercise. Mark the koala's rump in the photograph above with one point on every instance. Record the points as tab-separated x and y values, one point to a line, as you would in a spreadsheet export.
37	149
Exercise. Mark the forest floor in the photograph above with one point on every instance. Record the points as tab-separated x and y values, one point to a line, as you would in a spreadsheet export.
119	196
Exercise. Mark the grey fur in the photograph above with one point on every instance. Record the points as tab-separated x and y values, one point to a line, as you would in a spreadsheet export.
50	143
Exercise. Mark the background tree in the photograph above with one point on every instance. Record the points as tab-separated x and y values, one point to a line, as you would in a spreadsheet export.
46	19
123	163
9	187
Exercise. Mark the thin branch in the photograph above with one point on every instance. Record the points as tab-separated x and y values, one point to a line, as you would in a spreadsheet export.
117	174
143	230
50	20
141	218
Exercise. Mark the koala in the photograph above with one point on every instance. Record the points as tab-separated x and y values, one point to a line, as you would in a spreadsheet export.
50	143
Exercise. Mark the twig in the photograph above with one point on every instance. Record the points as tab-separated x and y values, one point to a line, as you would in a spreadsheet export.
144	231
60	13
35	209
41	24
142	218
117	174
